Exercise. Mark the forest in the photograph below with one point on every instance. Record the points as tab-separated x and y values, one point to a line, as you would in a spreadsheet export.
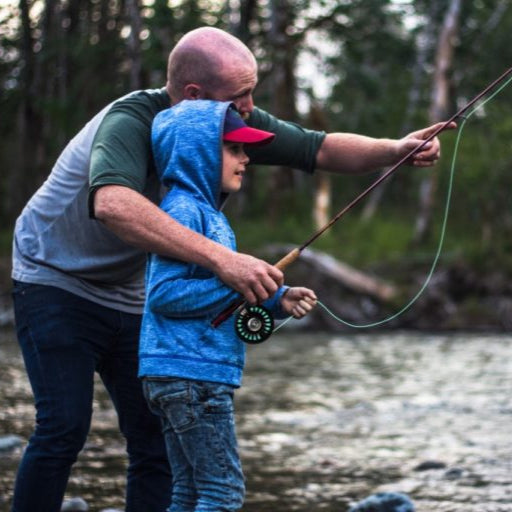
382	68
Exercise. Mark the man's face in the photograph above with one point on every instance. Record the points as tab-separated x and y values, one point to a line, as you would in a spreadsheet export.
239	83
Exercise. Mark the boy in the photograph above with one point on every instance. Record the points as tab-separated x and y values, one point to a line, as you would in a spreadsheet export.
191	369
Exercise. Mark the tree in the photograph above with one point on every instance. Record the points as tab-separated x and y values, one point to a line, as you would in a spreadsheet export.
439	108
134	47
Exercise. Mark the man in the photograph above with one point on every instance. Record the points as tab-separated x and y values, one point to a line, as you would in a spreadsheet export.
78	281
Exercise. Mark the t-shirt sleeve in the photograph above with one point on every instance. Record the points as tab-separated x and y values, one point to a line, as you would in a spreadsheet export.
121	151
293	146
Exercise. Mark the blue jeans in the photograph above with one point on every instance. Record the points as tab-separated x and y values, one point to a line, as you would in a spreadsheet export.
199	429
65	339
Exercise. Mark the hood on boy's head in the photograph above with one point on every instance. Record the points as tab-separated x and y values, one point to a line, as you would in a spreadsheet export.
187	144
186	141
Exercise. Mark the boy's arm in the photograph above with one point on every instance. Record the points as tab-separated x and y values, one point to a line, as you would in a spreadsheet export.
176	290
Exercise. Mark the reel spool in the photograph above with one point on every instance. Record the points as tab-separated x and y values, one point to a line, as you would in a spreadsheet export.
254	324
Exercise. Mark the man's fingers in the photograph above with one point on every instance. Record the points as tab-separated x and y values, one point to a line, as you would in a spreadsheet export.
276	275
262	292
437	126
249	296
265	282
255	279
261	287
424	162
425	133
430	153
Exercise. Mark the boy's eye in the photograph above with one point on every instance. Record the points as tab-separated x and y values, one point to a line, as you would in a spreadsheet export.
236	149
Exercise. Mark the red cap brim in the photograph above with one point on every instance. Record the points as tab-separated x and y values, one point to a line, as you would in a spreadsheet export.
248	135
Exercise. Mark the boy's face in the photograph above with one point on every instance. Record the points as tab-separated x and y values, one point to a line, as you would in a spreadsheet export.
234	161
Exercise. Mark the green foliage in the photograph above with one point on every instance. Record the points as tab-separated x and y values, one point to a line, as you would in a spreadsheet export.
73	59
5	242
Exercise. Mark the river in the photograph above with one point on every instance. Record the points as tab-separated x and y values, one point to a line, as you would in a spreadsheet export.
326	420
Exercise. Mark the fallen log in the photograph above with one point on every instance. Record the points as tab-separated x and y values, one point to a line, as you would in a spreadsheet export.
333	269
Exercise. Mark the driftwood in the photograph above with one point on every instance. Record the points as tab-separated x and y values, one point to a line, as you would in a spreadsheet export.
340	272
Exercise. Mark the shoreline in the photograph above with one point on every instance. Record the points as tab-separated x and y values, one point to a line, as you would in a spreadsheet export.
458	298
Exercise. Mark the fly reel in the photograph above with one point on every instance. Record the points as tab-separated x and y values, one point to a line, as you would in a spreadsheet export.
254	324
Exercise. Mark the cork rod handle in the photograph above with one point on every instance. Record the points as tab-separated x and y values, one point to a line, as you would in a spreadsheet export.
286	260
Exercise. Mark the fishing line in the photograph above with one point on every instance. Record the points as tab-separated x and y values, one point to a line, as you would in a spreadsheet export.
441	237
256	323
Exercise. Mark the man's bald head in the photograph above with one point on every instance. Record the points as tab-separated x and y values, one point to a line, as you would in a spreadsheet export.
205	57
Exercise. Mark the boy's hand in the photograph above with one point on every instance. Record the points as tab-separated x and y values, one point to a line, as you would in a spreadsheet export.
298	301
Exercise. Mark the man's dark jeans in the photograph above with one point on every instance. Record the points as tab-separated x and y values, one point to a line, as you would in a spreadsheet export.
65	339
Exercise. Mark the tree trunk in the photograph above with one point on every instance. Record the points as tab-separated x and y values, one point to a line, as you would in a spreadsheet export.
246	13
283	92
423	46
134	51
438	111
322	200
22	180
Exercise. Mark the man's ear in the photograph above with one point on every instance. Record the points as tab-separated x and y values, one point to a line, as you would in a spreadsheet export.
192	92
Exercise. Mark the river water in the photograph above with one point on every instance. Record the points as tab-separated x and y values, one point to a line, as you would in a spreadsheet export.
325	420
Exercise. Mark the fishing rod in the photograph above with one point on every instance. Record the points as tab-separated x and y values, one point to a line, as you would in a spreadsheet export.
254	324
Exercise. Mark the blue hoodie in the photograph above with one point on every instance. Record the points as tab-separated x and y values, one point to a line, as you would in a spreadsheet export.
182	299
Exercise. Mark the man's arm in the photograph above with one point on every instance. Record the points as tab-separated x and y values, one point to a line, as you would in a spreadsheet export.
139	222
352	154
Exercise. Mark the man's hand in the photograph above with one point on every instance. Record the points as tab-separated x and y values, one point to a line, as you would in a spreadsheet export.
429	153
255	279
298	301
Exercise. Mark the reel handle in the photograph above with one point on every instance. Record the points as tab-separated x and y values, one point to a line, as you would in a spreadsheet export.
226	313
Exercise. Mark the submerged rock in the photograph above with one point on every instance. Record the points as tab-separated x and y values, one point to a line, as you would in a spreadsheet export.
384	502
430	464
9	443
74	505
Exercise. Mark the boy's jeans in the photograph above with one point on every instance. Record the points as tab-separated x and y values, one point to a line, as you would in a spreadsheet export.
199	430
65	339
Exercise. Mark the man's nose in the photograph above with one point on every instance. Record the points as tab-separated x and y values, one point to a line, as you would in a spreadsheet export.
246	106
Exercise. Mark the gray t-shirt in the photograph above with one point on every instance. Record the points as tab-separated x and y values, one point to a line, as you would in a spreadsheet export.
56	240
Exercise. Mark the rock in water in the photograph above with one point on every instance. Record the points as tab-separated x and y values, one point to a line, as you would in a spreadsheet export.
9	443
384	502
74	505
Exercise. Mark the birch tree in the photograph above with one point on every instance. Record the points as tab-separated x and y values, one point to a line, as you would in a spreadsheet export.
133	43
438	111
